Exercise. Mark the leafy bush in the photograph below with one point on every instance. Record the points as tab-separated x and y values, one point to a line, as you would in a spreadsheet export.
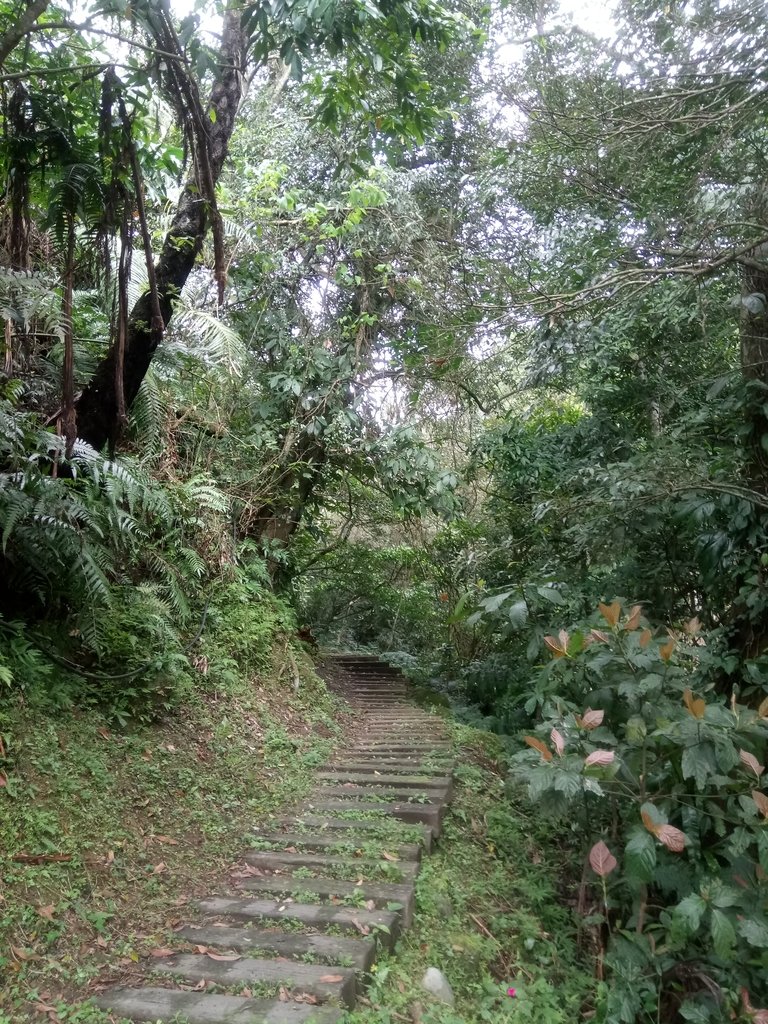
664	784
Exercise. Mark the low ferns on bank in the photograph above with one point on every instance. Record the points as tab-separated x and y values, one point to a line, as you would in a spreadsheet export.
99	544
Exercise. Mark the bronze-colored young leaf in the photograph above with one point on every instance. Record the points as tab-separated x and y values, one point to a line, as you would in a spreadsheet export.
555	646
557	741
599	636
762	711
537	744
599	758
602	860
695	705
590	719
633	620
750	761
665	651
649	823
610	612
761	800
645	638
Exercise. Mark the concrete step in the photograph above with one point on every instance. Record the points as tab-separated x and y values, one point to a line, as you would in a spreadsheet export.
328	949
283	861
337	845
425	782
367	828
167	1005
428	814
389	767
381	894
311	978
383	922
375	789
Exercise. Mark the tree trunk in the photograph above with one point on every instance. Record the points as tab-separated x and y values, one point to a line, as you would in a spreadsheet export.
98	407
754	363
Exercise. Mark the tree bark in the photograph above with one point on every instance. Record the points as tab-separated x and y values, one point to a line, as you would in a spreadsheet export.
754	363
11	39
97	407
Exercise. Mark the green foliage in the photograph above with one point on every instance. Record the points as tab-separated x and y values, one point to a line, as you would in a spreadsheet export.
635	750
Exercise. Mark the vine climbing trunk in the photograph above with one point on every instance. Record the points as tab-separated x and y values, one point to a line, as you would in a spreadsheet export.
98	408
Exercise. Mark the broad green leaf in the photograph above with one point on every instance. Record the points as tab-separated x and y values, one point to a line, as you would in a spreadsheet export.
723	933
640	855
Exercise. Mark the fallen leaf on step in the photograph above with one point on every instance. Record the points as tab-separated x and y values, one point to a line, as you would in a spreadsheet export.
223	956
162	951
247	993
199	986
284	995
305	997
389	856
370	905
201	949
331	979
291	849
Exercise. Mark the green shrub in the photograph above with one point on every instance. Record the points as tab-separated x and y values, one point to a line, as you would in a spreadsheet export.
664	784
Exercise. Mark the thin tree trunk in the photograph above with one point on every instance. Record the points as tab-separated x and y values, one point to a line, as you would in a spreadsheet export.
98	406
754	362
11	39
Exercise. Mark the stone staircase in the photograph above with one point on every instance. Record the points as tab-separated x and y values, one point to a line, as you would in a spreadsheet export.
326	890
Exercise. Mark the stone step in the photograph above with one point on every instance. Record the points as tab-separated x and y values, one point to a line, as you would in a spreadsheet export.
383	922
380	893
152	1005
350	826
329	949
283	861
428	814
249	970
424	782
389	767
407	851
375	789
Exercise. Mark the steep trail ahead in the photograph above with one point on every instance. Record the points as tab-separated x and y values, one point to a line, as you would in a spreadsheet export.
327	888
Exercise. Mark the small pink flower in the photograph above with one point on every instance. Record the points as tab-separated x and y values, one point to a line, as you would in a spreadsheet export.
512	993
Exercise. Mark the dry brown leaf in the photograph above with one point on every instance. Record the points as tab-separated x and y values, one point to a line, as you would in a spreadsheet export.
389	856
331	979
223	956
201	949
159	868
101	941
46	912
305	997
199	986
283	995
166	839
162	951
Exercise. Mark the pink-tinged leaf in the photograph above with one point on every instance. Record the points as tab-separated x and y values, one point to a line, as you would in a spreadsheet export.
539	745
553	644
645	638
590	719
666	650
750	761
563	638
602	860
761	800
633	621
599	636
557	742
600	758
671	837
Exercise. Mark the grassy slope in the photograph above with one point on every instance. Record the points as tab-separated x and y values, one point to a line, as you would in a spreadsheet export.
148	819
154	817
